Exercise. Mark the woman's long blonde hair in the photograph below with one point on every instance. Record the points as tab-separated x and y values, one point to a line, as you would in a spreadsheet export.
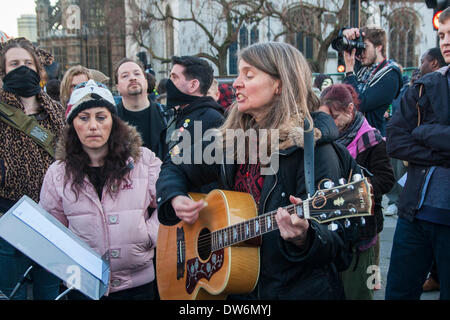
289	109
66	82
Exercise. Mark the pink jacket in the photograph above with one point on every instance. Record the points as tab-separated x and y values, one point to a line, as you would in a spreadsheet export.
118	227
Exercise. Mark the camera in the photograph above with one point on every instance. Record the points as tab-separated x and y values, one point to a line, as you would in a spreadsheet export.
341	43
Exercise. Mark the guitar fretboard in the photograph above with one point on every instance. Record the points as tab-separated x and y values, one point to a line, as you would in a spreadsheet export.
349	200
247	230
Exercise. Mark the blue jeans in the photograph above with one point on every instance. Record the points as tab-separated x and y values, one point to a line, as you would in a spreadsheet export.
13	264
411	258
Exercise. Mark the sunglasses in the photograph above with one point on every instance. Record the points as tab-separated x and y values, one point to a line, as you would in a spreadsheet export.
83	85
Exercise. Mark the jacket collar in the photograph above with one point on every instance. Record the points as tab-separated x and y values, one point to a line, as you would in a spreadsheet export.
444	70
200	103
325	131
437	92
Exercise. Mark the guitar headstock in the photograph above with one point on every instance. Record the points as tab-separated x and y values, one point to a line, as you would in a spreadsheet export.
340	202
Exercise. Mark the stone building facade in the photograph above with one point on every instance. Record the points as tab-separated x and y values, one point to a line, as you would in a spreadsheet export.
86	32
407	22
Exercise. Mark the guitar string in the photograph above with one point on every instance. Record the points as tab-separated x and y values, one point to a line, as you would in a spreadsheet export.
206	239
289	208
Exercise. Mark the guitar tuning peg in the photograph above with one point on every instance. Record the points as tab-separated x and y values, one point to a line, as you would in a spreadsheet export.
328	184
342	181
347	223
332	226
363	221
325	184
356	177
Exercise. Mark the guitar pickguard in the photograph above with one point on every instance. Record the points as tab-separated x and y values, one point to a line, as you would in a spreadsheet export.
197	270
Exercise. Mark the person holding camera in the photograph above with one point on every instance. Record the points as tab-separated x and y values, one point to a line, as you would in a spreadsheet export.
376	78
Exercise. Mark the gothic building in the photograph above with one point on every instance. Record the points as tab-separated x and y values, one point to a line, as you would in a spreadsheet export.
407	23
86	32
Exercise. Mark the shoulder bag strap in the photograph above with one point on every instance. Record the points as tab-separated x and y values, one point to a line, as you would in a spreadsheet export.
16	118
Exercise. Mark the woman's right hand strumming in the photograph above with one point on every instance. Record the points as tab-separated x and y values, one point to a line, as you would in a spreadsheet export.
187	209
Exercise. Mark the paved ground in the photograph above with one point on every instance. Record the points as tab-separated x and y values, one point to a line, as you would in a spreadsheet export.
385	253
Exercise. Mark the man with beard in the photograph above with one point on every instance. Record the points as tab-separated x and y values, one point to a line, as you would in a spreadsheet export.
187	88
377	79
136	109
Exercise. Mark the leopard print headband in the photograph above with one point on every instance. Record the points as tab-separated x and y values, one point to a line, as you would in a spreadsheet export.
46	58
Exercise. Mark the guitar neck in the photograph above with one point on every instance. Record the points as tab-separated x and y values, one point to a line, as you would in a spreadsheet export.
350	200
246	230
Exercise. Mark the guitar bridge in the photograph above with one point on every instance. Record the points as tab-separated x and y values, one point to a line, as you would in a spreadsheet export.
181	253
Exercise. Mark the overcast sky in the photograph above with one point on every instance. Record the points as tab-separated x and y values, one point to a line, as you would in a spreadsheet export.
10	10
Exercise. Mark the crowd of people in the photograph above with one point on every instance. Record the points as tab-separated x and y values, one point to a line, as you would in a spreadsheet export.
108	168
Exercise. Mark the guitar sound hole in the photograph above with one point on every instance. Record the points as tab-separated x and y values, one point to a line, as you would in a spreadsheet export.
204	244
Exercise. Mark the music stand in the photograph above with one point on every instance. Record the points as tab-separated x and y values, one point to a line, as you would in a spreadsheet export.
3	296
46	241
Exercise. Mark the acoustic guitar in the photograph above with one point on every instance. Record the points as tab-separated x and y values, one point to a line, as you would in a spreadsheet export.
219	253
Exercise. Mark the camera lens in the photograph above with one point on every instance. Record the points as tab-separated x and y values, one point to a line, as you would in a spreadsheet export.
342	44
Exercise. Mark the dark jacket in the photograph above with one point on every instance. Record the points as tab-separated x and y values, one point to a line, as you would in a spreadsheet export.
286	271
157	121
375	100
376	161
204	109
425	145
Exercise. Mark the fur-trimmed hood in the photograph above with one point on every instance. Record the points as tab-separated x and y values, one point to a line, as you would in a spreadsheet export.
133	143
325	131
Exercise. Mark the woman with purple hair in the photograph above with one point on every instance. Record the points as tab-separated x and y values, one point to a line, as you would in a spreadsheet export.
368	148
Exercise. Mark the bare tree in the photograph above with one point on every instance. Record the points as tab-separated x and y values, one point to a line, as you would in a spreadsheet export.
320	20
221	30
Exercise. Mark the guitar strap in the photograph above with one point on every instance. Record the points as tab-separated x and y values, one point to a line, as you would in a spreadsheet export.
309	158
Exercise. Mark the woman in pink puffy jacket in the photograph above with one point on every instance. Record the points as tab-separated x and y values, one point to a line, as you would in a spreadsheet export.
103	189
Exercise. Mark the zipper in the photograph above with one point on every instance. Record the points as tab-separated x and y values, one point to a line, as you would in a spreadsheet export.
270	191
273	187
263	210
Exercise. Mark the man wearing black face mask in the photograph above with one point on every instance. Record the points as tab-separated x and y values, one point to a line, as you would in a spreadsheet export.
190	79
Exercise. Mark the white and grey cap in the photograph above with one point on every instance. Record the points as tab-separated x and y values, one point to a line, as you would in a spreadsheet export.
88	95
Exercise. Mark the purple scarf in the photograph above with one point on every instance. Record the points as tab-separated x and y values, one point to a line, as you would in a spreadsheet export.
366	137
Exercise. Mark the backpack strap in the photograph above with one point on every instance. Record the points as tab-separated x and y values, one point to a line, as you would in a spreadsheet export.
16	118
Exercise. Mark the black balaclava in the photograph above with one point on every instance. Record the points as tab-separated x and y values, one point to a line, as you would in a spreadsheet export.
23	82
